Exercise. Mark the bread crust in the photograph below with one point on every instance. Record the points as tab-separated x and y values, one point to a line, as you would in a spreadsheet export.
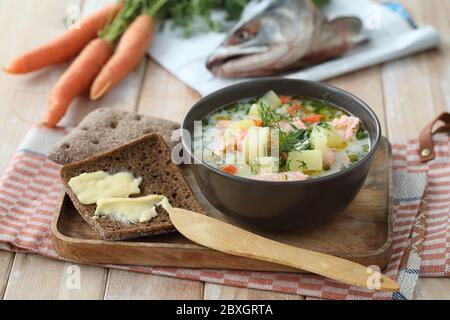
105	129
148	157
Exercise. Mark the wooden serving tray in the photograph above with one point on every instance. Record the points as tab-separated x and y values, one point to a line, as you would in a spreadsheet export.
362	233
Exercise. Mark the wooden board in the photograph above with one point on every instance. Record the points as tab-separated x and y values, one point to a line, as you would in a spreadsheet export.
362	233
159	90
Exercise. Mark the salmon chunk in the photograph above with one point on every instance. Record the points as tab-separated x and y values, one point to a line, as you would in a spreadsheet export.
346	126
287	126
329	158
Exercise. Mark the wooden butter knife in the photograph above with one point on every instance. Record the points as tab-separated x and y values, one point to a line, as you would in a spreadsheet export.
221	236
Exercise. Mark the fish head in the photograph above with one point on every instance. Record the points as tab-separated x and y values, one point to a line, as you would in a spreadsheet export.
266	41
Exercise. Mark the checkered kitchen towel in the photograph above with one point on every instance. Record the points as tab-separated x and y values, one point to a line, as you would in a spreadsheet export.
30	187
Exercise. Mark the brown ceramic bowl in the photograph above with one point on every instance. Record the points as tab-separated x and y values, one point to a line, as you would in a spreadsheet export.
282	205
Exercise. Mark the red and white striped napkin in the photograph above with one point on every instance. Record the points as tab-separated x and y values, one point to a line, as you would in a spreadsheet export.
29	191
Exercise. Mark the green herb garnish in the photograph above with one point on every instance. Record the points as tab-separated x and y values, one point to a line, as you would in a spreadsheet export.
297	140
219	118
268	116
302	164
362	134
323	108
353	157
366	148
185	14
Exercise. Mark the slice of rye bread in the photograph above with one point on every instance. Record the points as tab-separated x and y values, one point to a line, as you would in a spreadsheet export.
147	157
105	129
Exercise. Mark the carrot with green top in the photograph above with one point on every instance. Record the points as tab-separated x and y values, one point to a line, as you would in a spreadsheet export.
132	47
81	74
66	46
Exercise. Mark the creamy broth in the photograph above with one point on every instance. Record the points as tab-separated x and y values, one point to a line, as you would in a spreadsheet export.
282	138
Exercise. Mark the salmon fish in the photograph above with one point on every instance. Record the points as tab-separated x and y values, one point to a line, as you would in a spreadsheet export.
283	35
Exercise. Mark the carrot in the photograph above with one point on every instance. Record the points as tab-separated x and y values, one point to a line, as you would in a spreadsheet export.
312	119
285	99
292	110
131	49
66	46
230	169
258	122
77	79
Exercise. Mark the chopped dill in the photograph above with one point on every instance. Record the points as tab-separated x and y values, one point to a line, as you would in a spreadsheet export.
297	140
301	163
268	116
366	148
353	157
362	134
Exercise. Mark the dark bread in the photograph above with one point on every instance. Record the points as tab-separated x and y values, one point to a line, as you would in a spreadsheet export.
105	129
148	157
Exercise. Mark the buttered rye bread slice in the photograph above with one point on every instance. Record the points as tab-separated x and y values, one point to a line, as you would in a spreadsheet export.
148	158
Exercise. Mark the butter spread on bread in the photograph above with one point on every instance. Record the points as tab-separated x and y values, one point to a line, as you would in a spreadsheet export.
148	157
132	210
91	187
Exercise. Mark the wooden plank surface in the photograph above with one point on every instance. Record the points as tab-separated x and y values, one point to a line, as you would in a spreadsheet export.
417	88
405	94
6	259
36	277
136	286
22	98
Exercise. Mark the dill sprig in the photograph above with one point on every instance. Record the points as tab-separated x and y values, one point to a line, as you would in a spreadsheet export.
268	116
297	140
185	14
362	134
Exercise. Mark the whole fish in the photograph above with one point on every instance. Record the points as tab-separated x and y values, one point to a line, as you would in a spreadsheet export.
283	35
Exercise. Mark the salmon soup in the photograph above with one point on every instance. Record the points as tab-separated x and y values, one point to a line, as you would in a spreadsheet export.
282	138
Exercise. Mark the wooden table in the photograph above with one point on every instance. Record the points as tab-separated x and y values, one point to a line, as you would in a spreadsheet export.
406	94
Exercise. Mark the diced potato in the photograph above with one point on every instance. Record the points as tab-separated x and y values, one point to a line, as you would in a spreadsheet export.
309	160
335	140
255	144
242	124
254	111
272	99
323	138
319	139
265	165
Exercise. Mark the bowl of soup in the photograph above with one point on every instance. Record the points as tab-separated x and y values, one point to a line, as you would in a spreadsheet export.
280	153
